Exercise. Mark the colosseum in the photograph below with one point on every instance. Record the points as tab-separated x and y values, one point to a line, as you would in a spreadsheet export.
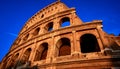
56	38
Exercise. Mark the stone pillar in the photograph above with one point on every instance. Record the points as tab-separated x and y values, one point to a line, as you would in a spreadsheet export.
21	55
56	24
50	50
54	52
33	52
76	47
30	35
102	38
43	30
75	19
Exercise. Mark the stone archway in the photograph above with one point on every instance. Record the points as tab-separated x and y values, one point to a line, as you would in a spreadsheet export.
36	31
41	52
26	55
88	43
44	51
64	47
65	22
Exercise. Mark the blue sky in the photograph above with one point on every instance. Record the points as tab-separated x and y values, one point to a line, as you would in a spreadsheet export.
14	14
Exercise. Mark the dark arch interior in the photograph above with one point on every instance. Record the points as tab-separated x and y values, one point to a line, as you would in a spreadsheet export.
26	55
16	56
44	52
65	22
65	48
50	26
36	31
89	44
5	63
28	50
26	37
14	60
42	15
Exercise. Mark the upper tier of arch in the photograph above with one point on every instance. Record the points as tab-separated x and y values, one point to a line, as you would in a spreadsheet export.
47	11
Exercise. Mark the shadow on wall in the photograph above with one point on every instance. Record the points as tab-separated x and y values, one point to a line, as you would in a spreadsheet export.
114	52
89	44
22	65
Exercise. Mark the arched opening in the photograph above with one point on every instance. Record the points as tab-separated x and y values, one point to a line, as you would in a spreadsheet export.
89	43
13	61
65	22
18	41
26	55
4	65
50	26
64	47
44	51
42	15
10	63
16	56
36	32
41	52
26	37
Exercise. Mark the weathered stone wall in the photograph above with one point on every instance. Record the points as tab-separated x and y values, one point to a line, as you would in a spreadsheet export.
45	43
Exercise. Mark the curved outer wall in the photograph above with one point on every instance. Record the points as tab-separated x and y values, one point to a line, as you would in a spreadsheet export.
43	42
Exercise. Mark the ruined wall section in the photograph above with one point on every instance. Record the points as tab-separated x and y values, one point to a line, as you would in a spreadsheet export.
47	42
53	15
50	10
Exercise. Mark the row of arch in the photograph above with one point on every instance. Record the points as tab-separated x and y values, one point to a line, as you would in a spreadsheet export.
9	63
47	28
88	44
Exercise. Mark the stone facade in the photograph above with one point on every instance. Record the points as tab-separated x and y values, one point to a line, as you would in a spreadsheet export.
56	38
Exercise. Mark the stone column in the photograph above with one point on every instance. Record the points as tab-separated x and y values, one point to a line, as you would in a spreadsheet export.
33	52
75	19
76	47
30	35
102	38
50	50
43	30
56	24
